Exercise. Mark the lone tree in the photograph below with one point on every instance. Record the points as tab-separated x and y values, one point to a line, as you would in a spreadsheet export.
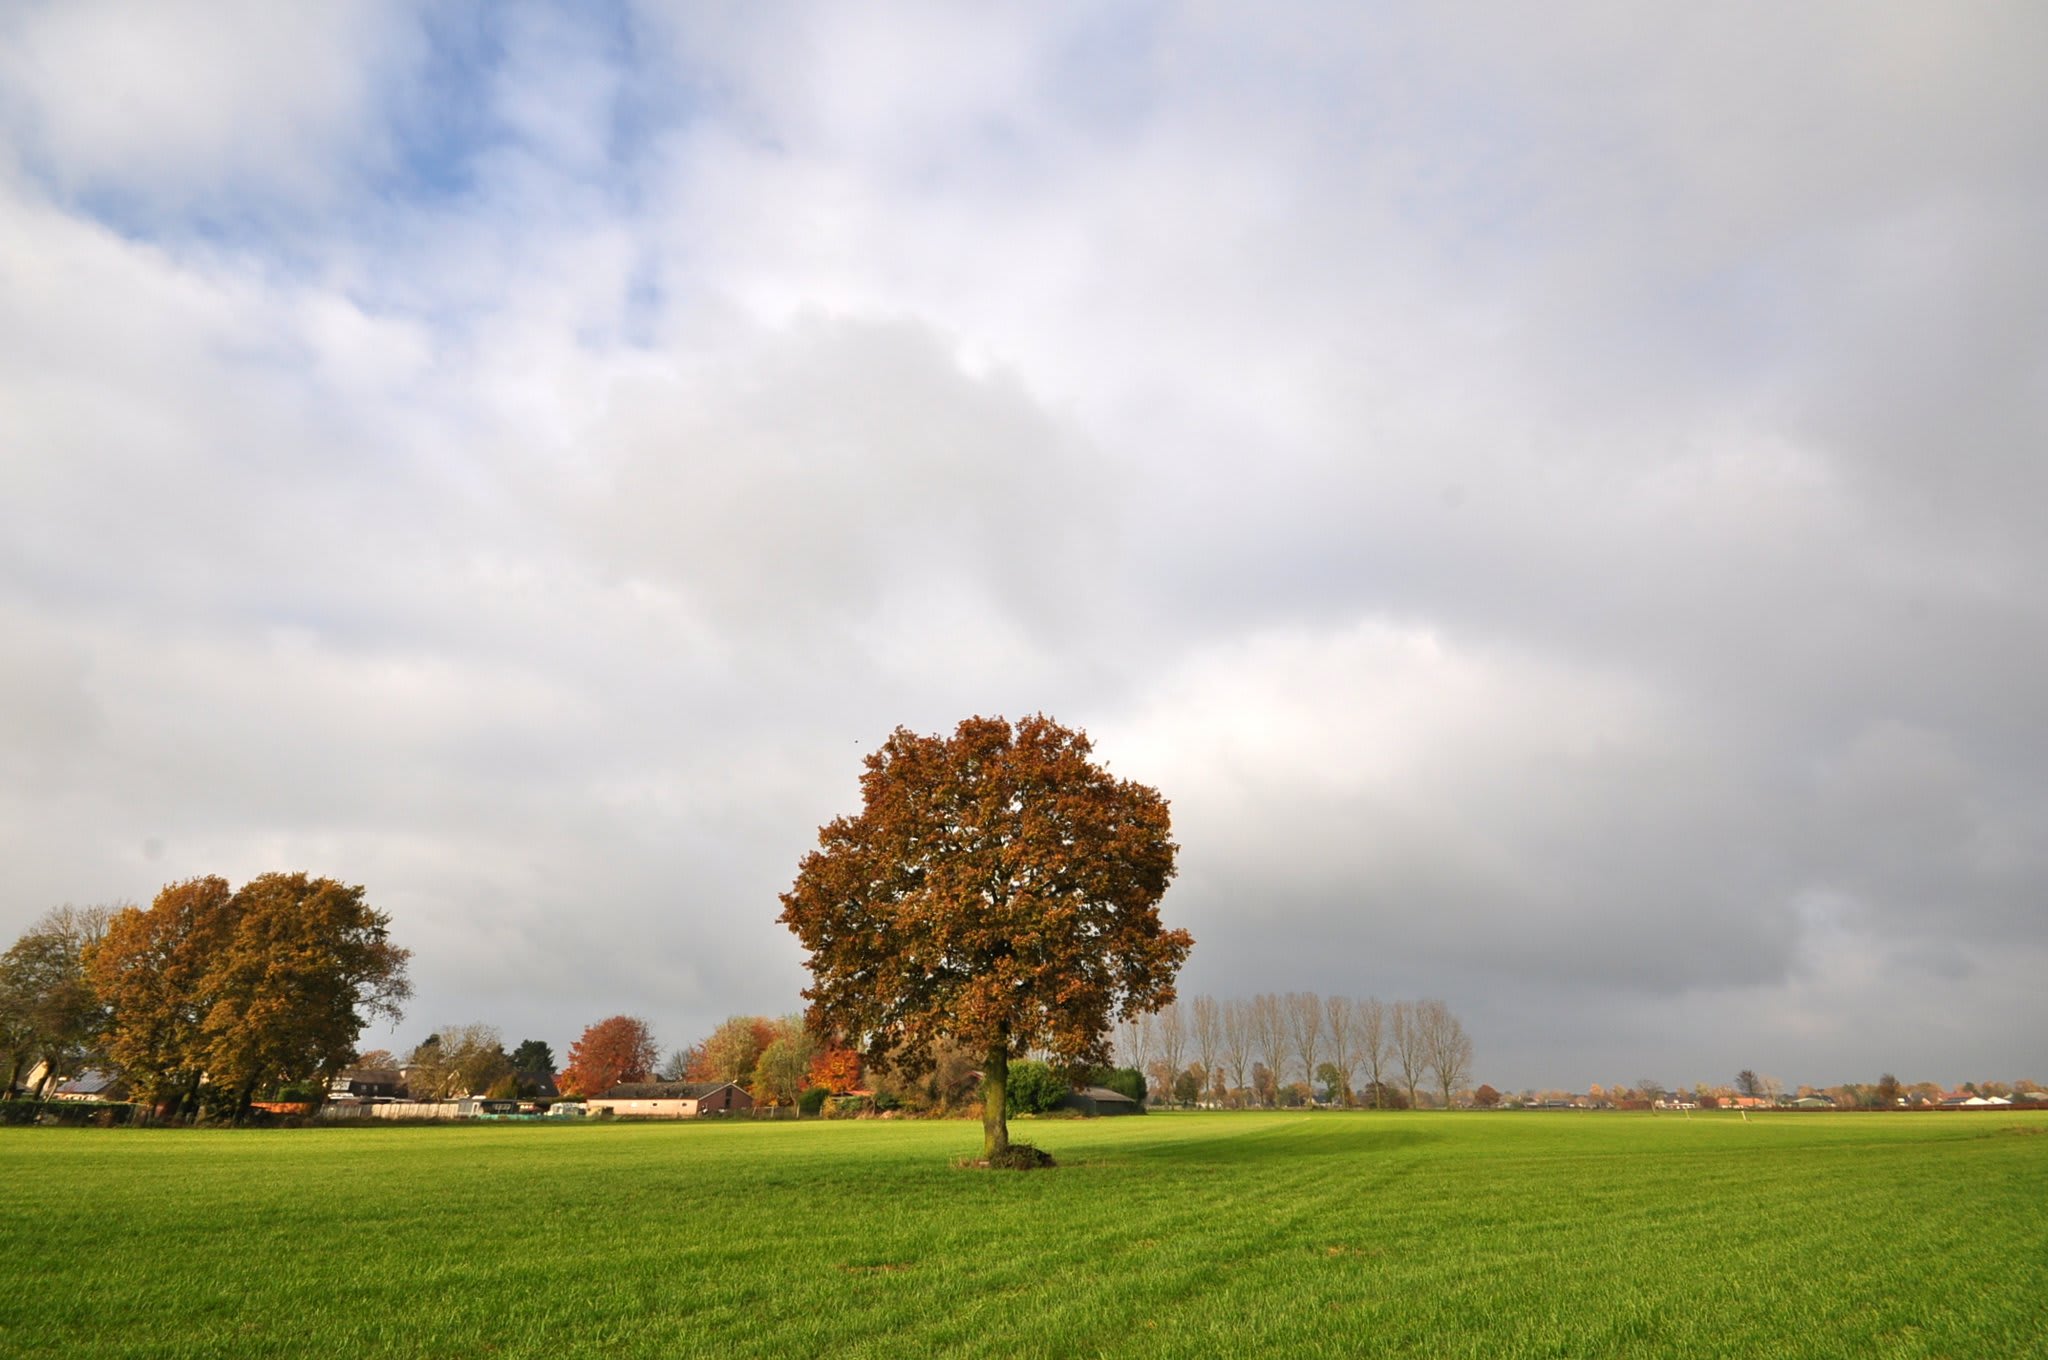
997	888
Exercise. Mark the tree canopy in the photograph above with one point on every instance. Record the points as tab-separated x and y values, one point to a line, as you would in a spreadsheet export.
533	1057
461	1060
272	982
48	1008
999	888
611	1051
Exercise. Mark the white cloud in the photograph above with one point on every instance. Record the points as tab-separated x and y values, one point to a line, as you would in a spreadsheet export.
178	100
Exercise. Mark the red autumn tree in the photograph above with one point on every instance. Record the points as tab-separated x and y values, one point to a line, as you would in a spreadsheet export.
836	1068
611	1051
997	888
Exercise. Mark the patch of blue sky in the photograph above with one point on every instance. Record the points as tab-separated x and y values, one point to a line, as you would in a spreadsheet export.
426	146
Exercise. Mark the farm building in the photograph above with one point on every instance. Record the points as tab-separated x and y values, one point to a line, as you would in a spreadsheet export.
1099	1100
92	1085
670	1099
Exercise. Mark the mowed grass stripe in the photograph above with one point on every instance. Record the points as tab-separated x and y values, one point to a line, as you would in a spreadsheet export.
1323	1233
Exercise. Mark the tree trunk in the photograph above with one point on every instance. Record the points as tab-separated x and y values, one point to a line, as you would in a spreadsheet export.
995	1083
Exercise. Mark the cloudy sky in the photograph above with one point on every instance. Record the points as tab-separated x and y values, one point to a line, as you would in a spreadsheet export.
1553	495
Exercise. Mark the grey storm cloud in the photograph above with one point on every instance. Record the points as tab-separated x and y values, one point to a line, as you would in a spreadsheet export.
1550	497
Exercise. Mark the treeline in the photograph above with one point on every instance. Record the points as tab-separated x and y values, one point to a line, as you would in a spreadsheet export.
210	996
777	1060
1299	1048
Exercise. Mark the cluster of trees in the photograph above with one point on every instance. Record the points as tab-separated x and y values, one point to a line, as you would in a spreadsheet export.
777	1060
1297	1048
465	1060
210	996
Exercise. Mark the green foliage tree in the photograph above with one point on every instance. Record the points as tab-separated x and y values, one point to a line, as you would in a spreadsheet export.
49	1010
997	887
1383	1096
733	1049
1033	1087
533	1058
782	1072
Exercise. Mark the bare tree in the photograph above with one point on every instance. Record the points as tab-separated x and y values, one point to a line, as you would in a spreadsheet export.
1269	1036
1446	1048
1337	1026
1304	1012
1208	1036
1138	1040
461	1060
1404	1035
1369	1041
1171	1025
1237	1042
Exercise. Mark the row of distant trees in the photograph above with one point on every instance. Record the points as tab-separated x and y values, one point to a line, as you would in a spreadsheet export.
211	994
775	1059
1275	1048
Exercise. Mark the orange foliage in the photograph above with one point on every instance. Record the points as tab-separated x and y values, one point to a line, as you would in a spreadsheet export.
836	1069
998	889
612	1051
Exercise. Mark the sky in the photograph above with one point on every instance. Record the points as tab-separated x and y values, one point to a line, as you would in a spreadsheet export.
1552	495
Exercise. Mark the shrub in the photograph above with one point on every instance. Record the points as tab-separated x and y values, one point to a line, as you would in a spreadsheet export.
812	1100
100	1113
1033	1088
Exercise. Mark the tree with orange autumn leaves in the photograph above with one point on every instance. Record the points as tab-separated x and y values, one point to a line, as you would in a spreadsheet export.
267	983
998	888
612	1051
836	1068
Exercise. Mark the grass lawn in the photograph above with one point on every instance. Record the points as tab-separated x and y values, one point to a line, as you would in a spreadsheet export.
1513	1234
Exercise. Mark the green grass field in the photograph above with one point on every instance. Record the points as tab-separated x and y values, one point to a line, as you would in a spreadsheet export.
1532	1234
